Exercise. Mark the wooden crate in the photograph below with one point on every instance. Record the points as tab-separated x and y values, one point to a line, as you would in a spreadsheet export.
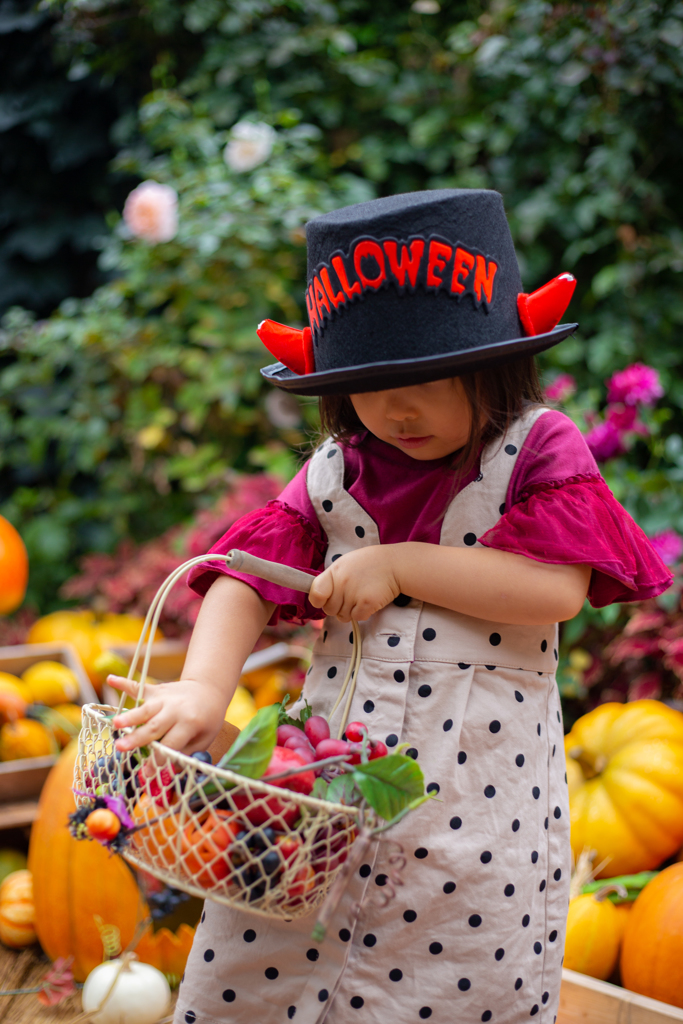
584	1000
21	781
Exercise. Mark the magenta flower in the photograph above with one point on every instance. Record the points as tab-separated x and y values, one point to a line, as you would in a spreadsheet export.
625	418
605	441
638	383
560	389
668	545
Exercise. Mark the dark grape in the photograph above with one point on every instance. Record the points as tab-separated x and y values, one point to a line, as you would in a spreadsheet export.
271	862
202	755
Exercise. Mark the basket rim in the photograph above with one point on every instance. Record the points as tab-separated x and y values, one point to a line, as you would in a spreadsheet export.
97	711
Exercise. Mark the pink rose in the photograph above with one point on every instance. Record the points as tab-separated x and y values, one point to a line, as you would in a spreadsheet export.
637	383
605	441
668	545
560	389
151	212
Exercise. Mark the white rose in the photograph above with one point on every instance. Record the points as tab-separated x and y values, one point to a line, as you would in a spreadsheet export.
151	212
250	144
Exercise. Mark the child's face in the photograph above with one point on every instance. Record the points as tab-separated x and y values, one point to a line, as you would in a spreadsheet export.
427	421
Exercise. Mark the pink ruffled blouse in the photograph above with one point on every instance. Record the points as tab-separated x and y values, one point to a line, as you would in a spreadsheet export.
558	509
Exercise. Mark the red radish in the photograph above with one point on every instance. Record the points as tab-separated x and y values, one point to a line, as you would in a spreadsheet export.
260	813
307	753
355	749
331	748
317	729
296	742
355	731
285	732
378	750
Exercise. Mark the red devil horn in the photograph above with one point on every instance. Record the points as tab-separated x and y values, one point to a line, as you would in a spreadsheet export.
541	310
292	347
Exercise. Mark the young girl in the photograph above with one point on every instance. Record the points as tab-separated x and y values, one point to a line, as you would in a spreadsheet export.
459	520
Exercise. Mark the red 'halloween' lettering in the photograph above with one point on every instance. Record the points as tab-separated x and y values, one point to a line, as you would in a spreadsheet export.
350	289
405	264
312	308
439	255
462	267
338	299
483	278
321	298
369	250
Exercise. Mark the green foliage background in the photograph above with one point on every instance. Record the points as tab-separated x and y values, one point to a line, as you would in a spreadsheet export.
123	412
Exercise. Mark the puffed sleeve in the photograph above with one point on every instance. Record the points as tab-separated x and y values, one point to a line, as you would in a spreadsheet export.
560	510
285	531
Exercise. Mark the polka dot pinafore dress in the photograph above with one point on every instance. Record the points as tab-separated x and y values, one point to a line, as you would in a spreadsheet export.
476	930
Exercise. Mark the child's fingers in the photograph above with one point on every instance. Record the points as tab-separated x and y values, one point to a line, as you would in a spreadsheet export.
128	686
322	589
152	730
137	716
182	738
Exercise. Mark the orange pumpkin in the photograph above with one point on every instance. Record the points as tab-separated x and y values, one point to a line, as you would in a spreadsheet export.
13	568
625	772
74	881
17	911
652	950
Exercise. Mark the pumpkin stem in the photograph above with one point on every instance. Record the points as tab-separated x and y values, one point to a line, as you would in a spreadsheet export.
607	889
591	764
633	884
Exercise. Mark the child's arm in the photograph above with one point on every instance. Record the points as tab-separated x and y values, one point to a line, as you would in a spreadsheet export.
482	582
188	714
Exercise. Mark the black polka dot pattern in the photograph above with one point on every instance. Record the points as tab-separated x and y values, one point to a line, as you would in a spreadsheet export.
331	673
435	948
327	505
455	822
490	792
345	934
464	984
510	449
525	921
519	696
356	1002
448	725
469	539
312	955
462	757
369	940
424	690
421	853
395	974
364	870
519	760
429	634
391	740
494	726
425	1012
515	825
463	665
323	995
209	955
360	532
433	787
271	973
499	954
495	639
369	707
509	889
410	915
412	752
399	676
393	641
249	935
229	997
449	887
486	857
190	1017
474	920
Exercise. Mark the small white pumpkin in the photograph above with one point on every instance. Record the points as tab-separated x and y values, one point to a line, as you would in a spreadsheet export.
126	992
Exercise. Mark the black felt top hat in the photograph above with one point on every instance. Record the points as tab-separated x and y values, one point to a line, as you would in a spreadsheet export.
409	289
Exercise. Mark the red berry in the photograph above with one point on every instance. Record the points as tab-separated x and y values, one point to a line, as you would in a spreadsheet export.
307	753
317	729
378	750
331	748
355	731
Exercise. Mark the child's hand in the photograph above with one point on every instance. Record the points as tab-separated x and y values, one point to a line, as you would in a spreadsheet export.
358	584
186	715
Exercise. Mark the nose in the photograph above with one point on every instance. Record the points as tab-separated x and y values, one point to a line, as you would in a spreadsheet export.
398	407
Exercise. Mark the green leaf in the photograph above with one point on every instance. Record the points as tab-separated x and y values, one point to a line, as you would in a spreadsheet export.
341	790
285	719
251	752
389	784
320	789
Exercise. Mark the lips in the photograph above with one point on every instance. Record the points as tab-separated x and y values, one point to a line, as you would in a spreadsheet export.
413	442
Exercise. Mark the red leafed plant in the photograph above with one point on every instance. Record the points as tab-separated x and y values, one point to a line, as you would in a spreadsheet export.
128	580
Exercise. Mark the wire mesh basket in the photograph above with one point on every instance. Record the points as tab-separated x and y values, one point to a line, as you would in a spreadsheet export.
208	831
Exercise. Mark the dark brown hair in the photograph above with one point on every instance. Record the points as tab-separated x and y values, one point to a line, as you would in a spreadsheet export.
496	396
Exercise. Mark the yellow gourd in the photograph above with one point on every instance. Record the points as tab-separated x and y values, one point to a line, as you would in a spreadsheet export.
26	738
17	911
625	775
242	708
50	682
593	937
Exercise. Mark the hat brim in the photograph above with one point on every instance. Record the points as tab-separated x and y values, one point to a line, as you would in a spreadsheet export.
400	373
